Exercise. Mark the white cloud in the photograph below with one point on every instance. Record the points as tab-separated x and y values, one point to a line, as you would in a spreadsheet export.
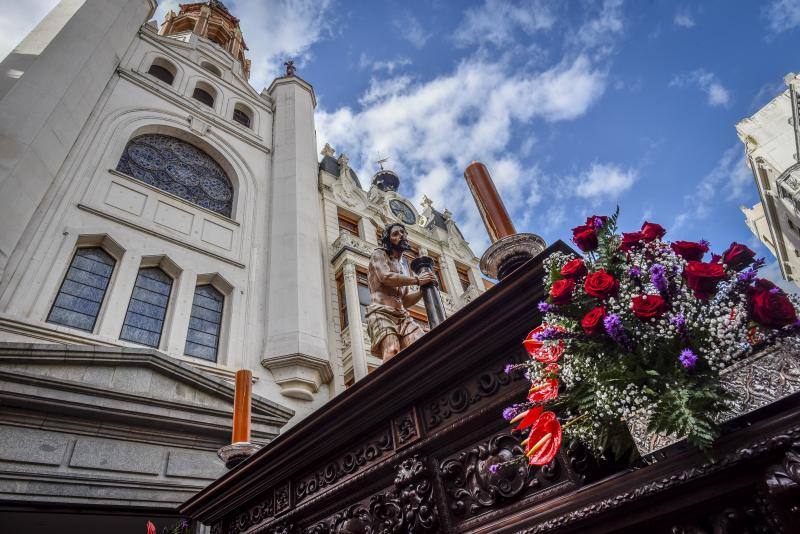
412	30
684	18
782	15
602	30
387	65
433	129
730	181
603	180
496	21
17	19
716	93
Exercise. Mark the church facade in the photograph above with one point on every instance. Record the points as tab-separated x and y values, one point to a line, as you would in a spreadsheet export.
163	224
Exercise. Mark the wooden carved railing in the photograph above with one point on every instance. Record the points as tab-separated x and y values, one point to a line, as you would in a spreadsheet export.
408	449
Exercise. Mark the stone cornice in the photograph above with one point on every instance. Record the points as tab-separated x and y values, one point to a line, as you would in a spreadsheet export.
283	80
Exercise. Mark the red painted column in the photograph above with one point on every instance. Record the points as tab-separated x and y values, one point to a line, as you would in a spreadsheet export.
241	406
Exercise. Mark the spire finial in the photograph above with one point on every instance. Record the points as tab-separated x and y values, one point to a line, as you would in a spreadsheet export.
381	161
290	68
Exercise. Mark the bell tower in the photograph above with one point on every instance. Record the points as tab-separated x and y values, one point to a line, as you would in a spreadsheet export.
210	20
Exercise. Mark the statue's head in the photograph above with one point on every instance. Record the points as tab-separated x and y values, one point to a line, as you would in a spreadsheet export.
394	238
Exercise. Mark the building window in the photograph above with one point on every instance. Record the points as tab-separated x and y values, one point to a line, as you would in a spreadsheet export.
202	339
203	96
463	276
179	168
348	223
80	297
162	70
242	115
437	269
147	308
349	379
211	68
342	300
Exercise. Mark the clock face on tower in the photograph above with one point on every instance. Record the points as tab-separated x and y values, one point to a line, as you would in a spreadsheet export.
402	211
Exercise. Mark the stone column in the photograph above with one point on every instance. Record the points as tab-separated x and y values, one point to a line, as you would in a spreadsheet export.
296	350
357	350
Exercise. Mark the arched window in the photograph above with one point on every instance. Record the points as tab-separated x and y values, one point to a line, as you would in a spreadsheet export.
163	70
211	68
202	338
180	168
78	302
147	308
204	93
242	115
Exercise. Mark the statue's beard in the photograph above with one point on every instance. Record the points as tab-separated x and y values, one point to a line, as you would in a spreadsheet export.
401	246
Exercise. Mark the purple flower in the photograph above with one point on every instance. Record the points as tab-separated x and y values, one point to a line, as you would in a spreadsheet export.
493	468
775	291
550	333
679	321
748	275
635	272
510	412
688	358
508	368
658	275
615	330
544	307
704	243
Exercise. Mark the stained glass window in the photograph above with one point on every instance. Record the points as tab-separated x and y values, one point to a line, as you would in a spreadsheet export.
202	339
180	168
81	294
147	308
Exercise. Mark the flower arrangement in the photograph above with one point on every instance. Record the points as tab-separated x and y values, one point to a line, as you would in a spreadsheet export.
642	325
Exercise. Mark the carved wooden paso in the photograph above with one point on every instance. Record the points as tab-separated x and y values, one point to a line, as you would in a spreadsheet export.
409	448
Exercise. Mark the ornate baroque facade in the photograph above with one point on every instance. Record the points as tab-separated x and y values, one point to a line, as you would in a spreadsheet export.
163	224
772	143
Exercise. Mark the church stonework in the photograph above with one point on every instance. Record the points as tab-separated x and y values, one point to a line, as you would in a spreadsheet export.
163	224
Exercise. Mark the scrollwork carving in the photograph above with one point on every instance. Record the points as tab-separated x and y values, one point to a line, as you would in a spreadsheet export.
405	428
408	508
471	486
345	465
282	498
786	475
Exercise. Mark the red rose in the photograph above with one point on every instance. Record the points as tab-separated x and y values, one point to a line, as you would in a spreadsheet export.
600	284
592	322
630	240
544	440
738	256
651	231
585	237
689	250
769	306
648	306
574	269
702	278
596	221
561	292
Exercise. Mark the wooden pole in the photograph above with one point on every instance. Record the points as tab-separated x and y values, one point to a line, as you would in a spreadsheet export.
241	406
490	205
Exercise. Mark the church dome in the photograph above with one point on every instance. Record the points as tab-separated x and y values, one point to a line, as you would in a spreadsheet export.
386	180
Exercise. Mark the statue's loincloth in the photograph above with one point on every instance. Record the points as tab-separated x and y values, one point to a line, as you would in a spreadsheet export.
384	320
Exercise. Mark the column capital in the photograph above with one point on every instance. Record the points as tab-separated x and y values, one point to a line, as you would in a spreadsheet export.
349	269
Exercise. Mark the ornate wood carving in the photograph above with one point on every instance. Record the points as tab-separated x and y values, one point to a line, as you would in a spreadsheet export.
407	508
786	475
282	494
406	428
461	398
471	487
376	448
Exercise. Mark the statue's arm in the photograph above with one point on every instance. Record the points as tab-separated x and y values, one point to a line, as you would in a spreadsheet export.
379	263
411	298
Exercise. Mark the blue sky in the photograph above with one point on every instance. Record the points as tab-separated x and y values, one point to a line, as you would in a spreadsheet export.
575	107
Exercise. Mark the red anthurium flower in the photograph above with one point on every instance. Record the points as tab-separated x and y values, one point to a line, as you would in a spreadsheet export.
543	391
552	368
689	250
527	418
574	269
652	231
550	353
585	237
561	291
648	306
151	528
530	344
544	440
